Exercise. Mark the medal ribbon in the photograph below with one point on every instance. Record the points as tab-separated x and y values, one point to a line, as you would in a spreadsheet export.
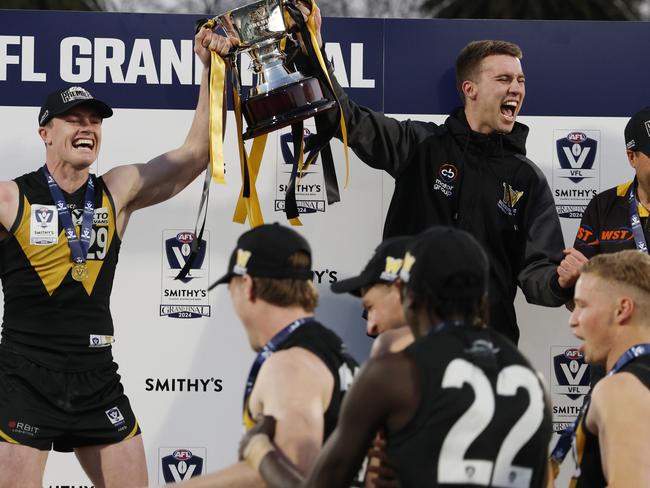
635	220
445	325
269	348
563	445
78	245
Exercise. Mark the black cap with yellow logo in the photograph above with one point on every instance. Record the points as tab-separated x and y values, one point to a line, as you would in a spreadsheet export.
383	267
264	252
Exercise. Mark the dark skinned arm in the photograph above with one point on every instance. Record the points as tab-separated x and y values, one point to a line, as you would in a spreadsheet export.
385	393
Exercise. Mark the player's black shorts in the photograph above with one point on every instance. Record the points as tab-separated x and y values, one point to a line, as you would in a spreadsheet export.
48	409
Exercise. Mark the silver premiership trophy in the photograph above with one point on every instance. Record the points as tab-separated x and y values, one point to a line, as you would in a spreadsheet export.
281	96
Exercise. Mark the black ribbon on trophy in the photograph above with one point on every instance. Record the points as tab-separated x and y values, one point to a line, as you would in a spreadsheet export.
270	31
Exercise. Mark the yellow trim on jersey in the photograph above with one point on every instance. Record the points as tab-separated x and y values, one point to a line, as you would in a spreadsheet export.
95	265
8	439
53	262
248	421
622	189
579	447
132	433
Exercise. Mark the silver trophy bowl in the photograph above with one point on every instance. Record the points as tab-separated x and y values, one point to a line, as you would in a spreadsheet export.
281	95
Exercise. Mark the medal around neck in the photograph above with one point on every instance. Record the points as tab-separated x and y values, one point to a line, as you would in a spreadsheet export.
79	271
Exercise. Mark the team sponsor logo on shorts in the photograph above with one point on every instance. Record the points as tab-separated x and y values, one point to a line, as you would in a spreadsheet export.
19	427
181	464
43	225
569	384
647	127
116	417
576	170
444	183
186	298
310	184
97	340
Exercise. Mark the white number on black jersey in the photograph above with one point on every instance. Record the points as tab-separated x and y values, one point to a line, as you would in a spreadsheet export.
453	467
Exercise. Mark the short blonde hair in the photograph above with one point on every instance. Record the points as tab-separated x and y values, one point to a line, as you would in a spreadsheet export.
631	268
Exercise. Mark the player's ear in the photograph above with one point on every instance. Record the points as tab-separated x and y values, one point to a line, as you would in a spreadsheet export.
248	283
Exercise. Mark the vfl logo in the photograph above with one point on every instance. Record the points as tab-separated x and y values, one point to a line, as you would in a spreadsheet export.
405	272
286	142
391	270
576	152
647	127
510	198
44	216
308	191
178	250
572	372
181	466
115	416
241	262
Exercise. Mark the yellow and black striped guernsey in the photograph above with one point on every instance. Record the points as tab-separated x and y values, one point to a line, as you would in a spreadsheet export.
48	316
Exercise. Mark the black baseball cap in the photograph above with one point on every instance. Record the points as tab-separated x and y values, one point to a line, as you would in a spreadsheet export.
264	252
61	101
383	267
446	262
637	132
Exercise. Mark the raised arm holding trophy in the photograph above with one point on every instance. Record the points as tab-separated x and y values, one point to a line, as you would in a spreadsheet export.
270	32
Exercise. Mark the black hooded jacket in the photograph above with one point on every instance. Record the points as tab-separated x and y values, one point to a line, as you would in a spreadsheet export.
450	175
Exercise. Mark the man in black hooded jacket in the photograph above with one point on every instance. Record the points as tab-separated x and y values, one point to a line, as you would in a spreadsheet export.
472	173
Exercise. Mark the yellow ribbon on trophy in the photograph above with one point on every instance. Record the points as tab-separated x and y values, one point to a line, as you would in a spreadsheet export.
216	124
248	205
217	92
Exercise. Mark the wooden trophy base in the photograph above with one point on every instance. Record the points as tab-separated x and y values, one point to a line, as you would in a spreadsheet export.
284	106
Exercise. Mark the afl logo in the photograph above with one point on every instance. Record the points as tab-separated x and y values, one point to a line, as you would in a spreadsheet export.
573	353
185	237
577	137
448	172
182	454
